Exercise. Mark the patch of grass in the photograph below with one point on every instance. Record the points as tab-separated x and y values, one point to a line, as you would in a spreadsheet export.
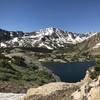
17	69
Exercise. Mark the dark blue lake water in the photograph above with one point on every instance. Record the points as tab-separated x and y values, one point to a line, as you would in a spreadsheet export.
70	72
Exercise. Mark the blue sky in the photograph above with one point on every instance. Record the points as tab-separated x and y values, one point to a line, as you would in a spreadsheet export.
70	15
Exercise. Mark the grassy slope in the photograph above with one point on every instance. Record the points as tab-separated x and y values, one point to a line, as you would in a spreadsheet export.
19	72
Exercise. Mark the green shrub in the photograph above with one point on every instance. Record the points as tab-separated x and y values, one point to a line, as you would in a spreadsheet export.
6	65
94	74
19	61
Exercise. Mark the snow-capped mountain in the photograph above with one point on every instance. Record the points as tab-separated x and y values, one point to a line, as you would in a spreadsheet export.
49	38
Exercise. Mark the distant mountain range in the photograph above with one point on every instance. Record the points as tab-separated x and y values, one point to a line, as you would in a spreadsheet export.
50	38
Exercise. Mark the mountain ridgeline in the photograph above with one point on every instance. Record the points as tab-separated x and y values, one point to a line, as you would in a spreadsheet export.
50	38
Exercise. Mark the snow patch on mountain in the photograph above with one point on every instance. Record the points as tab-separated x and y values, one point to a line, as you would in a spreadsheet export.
2	44
96	46
44	45
84	36
15	39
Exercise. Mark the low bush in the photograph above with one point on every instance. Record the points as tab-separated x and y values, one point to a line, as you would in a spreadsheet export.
94	74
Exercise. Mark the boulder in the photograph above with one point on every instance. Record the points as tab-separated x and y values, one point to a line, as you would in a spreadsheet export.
89	91
51	91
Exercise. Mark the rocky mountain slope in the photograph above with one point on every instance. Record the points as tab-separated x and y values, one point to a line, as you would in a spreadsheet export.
91	45
50	38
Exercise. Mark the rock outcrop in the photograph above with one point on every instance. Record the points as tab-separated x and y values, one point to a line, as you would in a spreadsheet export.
89	91
51	91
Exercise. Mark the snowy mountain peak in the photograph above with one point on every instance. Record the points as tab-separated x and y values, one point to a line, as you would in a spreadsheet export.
49	38
50	31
